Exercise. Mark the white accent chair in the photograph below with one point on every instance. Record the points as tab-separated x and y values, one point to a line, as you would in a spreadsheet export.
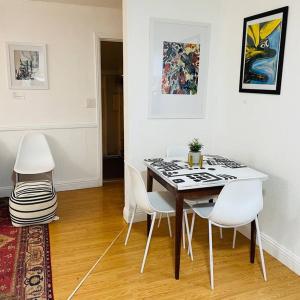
151	203
180	151
238	204
34	155
33	200
177	151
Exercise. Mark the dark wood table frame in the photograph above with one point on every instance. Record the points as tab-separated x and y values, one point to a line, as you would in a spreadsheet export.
180	195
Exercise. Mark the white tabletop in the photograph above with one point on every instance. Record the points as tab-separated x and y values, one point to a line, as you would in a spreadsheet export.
216	171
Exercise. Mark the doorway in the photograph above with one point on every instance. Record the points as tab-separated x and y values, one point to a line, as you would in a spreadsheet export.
112	109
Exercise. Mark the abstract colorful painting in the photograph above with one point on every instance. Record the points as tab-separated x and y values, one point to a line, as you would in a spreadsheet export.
180	68
262	55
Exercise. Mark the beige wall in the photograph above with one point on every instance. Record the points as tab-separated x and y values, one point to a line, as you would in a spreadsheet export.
60	112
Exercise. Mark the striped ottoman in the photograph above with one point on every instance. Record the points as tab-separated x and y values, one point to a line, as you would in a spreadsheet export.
32	202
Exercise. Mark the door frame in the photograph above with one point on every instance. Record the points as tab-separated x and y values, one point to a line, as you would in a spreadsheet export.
98	37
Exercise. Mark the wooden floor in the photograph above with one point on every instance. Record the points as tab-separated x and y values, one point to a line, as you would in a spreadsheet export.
90	219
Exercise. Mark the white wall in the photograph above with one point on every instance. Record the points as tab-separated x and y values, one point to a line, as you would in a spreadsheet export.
262	130
60	112
149	137
259	130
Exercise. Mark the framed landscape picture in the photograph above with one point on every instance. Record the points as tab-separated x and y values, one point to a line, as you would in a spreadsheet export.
27	66
179	55
263	52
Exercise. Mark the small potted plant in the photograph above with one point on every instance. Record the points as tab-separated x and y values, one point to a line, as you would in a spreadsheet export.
195	151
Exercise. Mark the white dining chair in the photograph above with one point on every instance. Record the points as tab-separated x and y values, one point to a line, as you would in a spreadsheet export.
151	203
180	151
176	151
238	204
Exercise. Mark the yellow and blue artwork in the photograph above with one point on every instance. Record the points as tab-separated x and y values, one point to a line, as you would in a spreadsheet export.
262	54
180	68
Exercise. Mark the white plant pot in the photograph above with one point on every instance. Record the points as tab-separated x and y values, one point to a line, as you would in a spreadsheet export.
195	156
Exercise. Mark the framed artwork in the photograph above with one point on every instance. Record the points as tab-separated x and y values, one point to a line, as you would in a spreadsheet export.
179	54
263	52
27	66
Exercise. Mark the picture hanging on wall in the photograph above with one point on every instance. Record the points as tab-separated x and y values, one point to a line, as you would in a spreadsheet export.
263	52
180	68
27	66
179	54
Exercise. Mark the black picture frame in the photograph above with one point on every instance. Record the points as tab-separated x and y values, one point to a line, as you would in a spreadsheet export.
248	86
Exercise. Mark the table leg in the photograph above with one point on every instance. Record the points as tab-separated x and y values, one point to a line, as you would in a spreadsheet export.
149	219
253	242
178	232
149	189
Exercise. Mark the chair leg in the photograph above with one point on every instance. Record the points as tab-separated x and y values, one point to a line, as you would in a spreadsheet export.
261	250
234	237
169	224
158	224
148	242
211	259
190	250
183	233
130	225
192	229
221	233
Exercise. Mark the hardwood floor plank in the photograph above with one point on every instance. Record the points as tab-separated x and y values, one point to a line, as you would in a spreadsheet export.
91	219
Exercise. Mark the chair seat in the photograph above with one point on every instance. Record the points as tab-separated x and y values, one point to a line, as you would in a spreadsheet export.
203	210
200	200
163	202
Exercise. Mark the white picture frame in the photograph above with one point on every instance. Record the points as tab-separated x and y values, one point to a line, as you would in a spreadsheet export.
27	66
173	106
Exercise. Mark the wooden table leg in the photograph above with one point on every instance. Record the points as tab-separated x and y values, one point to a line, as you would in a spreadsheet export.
253	242
149	219
149	189
178	232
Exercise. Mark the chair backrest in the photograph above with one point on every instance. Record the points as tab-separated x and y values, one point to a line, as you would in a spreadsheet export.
138	189
34	155
177	151
238	203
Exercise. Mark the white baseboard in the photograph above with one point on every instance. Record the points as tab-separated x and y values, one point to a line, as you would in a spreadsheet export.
77	184
284	255
62	185
5	191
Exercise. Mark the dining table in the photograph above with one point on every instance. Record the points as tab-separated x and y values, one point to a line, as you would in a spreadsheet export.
186	181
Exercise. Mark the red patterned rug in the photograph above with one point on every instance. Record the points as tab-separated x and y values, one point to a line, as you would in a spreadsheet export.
25	266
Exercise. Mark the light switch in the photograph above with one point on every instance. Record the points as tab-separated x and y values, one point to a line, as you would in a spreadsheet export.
90	103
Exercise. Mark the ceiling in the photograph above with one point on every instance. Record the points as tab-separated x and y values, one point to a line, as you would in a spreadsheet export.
100	3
